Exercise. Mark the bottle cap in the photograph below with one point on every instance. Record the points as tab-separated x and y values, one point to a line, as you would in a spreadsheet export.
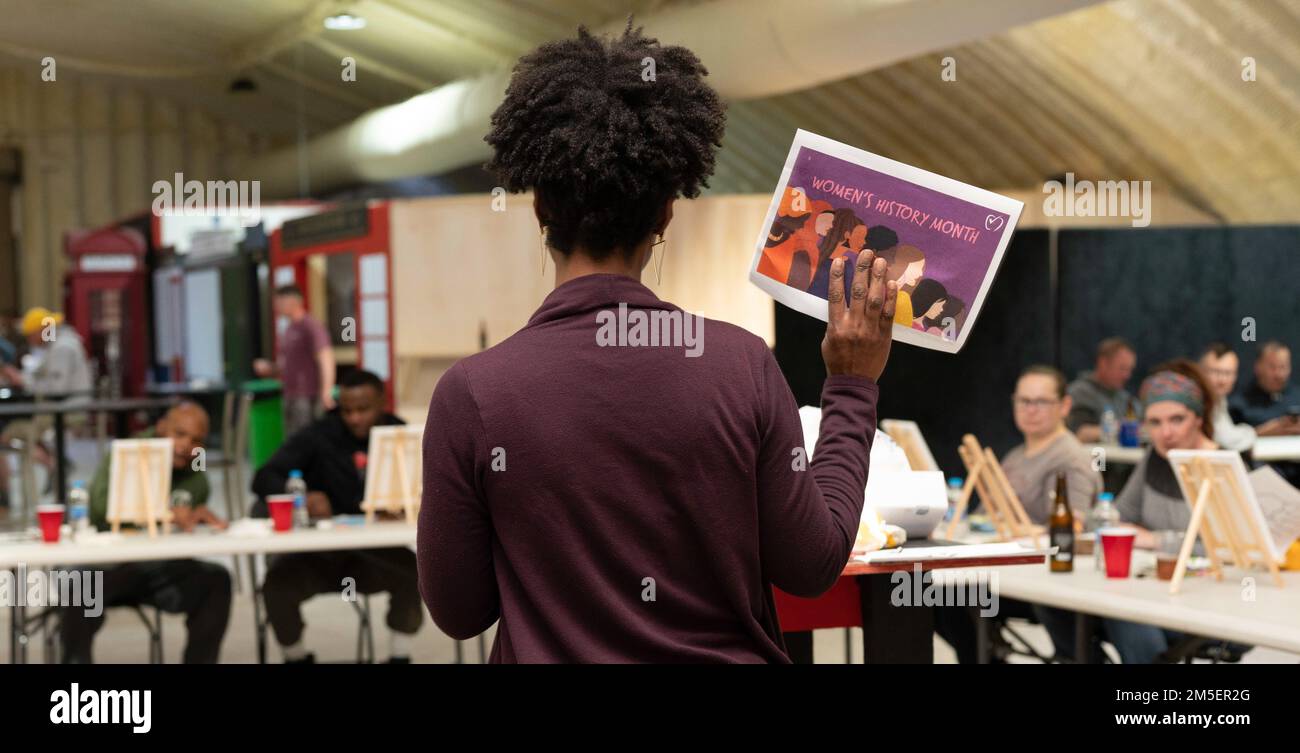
295	473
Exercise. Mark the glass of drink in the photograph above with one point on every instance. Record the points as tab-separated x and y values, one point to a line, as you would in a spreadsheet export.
1168	545
1128	434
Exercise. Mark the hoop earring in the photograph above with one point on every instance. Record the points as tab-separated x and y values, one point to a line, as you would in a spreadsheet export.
659	266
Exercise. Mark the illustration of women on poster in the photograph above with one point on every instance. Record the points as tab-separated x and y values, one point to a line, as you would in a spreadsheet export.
906	267
792	239
847	236
805	257
928	300
949	321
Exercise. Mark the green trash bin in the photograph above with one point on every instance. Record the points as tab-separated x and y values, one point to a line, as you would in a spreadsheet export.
265	420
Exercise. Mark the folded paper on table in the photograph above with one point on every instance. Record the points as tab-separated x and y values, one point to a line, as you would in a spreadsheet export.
943	239
1271	449
251	527
99	538
1005	549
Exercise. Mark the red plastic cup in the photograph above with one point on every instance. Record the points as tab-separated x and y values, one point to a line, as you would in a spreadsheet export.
51	517
281	508
1117	544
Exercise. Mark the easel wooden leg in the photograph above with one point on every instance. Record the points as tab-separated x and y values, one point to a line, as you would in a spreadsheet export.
142	465
1011	503
1189	539
404	477
962	503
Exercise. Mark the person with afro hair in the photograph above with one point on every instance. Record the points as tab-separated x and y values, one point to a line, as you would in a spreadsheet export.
635	497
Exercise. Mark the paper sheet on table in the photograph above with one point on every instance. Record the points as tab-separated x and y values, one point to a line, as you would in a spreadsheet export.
99	538
250	527
1270	449
1280	504
966	551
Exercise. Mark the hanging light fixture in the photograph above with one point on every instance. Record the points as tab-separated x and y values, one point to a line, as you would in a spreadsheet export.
344	22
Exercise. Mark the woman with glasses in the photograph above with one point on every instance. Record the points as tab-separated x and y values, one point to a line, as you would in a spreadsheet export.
1039	406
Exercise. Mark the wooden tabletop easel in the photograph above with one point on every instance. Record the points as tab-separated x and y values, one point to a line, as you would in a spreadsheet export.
140	484
393	476
984	473
1224	514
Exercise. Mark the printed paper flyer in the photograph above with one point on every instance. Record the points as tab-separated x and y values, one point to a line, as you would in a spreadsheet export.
943	239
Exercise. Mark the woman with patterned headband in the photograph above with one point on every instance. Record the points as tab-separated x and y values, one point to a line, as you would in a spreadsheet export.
1177	402
1176	405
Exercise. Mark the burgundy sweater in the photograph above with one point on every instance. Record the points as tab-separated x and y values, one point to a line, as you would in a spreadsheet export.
631	504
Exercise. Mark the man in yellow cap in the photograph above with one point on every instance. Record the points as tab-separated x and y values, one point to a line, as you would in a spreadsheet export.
60	366
56	366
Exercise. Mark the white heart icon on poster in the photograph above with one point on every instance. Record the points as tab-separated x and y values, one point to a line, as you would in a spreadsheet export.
993	222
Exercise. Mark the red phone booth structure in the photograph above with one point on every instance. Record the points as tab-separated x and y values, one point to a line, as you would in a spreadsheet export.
344	256
106	300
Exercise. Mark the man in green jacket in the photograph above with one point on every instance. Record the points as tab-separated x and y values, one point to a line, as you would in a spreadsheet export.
199	590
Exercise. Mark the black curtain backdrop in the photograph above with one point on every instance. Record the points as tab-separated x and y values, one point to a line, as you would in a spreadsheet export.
1169	291
1172	291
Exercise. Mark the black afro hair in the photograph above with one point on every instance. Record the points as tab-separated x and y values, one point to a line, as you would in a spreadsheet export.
605	132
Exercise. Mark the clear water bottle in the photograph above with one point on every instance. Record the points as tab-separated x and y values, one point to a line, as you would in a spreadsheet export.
298	488
1104	514
79	509
954	495
1109	426
955	484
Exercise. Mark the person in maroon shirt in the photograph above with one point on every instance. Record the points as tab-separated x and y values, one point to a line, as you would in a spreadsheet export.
635	502
304	362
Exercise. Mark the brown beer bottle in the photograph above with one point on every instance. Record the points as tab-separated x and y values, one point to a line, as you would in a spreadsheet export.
1061	528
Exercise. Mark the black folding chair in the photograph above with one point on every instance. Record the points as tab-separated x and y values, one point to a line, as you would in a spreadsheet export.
155	628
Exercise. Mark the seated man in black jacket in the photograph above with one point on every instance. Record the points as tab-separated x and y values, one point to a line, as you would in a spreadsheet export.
331	454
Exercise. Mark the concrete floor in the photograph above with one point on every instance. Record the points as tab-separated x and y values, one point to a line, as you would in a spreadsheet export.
332	635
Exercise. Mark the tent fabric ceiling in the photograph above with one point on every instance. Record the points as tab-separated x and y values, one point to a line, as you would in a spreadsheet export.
1131	90
1128	89
191	51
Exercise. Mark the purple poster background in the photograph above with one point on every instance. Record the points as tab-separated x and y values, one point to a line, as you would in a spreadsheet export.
958	264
